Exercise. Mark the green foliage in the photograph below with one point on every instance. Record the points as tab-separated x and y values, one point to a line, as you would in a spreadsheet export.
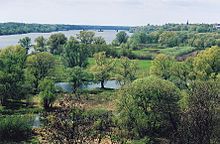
126	71
12	61
180	74
103	67
122	37
149	107
20	28
75	54
15	128
99	40
109	50
25	43
168	39
56	43
47	94
172	35
207	63
161	66
41	44
78	77
140	38
39	66
145	140
200	121
86	37
177	51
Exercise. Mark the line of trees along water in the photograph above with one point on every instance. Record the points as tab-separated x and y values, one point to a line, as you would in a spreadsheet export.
22	28
174	102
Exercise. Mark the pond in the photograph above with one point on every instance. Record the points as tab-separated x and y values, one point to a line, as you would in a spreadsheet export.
37	122
111	84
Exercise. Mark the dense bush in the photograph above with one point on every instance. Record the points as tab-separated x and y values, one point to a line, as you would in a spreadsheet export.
15	128
149	107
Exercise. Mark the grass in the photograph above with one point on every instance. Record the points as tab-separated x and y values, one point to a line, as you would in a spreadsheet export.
143	67
144	64
174	51
177	51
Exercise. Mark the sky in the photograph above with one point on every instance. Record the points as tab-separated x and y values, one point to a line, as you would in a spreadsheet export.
110	12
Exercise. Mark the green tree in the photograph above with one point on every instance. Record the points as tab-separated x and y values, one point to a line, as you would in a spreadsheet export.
56	43
122	37
75	54
207	64
25	43
198	43
103	68
149	107
47	92
217	42
168	39
99	41
12	61
40	66
161	66
41	43
201	119
86	37
126	71
78	77
180	74
73	39
140	38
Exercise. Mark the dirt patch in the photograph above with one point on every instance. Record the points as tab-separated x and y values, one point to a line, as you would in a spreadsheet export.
185	56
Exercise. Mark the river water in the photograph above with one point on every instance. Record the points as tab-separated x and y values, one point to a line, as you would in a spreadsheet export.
108	35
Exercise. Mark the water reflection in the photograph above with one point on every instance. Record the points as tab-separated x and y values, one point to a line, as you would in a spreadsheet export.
112	84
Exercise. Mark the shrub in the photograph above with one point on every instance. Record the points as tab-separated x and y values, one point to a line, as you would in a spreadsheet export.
15	128
149	107
47	93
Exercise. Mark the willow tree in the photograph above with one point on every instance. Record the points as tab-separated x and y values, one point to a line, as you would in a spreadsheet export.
103	68
126	71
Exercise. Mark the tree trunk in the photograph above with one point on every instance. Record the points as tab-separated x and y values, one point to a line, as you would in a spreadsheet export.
3	101
102	84
46	104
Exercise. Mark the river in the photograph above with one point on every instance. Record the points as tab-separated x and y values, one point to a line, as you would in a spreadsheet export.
7	40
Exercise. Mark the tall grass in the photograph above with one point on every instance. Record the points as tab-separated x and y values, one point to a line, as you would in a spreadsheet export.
177	51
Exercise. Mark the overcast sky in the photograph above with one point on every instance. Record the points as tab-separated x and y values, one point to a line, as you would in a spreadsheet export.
110	12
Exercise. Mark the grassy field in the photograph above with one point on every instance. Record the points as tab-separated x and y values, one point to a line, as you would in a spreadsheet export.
175	51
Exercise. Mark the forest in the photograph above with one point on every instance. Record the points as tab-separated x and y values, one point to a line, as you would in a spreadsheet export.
168	92
22	28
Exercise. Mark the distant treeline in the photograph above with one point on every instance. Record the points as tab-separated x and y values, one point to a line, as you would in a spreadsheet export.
199	36
200	28
21	28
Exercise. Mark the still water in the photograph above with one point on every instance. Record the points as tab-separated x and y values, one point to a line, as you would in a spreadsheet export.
108	35
112	84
